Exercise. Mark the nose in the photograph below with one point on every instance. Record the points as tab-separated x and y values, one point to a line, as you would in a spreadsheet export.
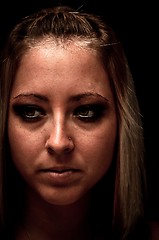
59	141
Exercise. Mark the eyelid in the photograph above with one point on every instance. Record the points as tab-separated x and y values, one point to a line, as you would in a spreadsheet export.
98	109
21	111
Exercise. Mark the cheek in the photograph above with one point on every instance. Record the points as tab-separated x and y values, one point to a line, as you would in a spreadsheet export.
99	151
23	146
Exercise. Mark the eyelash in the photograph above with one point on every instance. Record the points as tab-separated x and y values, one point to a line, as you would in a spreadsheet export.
28	112
85	113
90	113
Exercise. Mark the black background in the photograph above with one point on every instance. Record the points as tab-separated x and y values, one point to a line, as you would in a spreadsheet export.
136	23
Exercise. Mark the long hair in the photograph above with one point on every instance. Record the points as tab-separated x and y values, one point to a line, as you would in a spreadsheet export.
61	26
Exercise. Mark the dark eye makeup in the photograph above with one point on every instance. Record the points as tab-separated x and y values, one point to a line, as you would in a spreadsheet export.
85	113
30	113
90	113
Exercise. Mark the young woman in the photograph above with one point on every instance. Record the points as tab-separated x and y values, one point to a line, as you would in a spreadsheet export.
71	132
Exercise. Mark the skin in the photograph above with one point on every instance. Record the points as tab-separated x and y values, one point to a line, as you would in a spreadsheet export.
58	145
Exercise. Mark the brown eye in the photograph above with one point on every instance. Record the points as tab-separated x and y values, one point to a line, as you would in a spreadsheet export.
29	112
85	112
89	113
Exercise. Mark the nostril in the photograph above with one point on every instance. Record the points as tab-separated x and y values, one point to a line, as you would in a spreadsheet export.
50	150
67	149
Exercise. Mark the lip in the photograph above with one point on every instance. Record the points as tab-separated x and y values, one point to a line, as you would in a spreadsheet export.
61	176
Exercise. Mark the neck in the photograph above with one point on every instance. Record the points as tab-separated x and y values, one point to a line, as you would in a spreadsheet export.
45	221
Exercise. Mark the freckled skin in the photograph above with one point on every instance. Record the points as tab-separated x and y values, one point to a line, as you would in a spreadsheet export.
58	74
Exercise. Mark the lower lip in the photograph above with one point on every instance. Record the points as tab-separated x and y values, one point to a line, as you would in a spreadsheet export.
62	178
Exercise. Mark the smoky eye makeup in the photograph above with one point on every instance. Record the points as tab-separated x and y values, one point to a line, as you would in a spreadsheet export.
90	112
28	112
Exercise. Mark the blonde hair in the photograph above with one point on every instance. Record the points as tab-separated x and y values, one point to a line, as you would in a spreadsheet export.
62	25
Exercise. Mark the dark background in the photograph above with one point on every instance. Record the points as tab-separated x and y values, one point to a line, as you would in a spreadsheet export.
137	26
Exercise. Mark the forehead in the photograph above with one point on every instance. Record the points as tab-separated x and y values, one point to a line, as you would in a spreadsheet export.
47	55
74	46
52	65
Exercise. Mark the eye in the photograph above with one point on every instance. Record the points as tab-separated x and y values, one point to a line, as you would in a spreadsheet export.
90	113
29	112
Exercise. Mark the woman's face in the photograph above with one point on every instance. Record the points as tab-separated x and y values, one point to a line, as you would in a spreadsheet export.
62	122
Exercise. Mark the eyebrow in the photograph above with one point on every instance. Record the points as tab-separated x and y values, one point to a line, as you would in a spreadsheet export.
38	96
76	98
